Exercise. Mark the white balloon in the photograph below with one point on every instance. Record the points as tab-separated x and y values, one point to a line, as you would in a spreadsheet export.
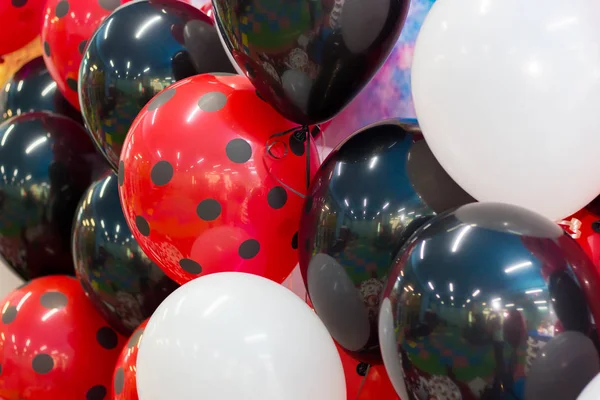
592	390
507	94
233	336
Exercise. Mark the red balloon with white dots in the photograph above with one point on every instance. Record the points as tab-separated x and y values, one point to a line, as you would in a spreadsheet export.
124	378
201	190
19	23
67	27
53	343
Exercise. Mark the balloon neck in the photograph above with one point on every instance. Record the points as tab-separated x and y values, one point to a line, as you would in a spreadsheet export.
572	227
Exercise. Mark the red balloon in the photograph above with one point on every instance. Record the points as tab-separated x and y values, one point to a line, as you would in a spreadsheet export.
53	343
19	23
588	225
207	9
68	25
199	190
124	383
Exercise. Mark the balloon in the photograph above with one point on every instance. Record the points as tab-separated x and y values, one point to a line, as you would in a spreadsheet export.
53	344
68	26
20	21
138	51
468	294
586	224
207	9
124	377
32	89
568	362
244	337
121	281
464	113
209	199
592	390
331	48
46	164
388	94
351	232
11	63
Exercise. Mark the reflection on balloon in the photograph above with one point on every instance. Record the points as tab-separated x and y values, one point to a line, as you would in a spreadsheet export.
138	51
473	297
350	233
46	163
121	281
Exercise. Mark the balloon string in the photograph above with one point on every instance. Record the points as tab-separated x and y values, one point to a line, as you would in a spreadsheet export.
573	225
362	383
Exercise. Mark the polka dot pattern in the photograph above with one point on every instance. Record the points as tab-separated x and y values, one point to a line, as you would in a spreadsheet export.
161	99
296	146
47	49
121	174
162	172
596	226
53	300
308	203
109	5
362	368
72	84
81	47
142	225
190	266
107	338
97	392
119	381
9	315
238	151
19	3
212	101
277	197
62	9
222	74
249	249
209	209
295	241
42	363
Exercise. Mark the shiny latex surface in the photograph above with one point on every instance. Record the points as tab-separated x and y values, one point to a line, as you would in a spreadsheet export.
124	384
206	197
32	89
68	26
138	51
309	59
478	305
368	197
586	223
121	281
20	21
54	345
46	163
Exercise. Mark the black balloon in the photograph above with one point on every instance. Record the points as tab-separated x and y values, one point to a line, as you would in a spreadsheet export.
46	163
32	89
477	296
139	50
121	281
365	201
309	59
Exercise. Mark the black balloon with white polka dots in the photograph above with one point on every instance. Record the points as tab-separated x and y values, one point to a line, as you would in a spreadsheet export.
208	196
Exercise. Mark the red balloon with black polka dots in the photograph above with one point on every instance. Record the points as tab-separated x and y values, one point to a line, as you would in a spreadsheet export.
201	190
124	378
54	344
19	23
68	25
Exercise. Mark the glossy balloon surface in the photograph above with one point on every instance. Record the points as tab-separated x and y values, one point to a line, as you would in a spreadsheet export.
46	163
32	89
367	198
20	21
586	225
124	378
476	296
207	197
138	51
68	26
121	281
309	59
54	345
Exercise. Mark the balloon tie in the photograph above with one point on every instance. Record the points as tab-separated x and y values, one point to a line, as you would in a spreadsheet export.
572	227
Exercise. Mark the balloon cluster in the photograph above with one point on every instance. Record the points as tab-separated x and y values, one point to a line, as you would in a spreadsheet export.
161	189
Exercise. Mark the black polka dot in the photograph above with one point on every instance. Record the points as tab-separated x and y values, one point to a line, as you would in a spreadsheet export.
239	151
596	226
62	9
142	225
42	363
9	315
212	101
308	203
47	49
81	47
162	172
97	392
121	175
135	338
223	74
190	266
161	99
51	300
119	382
277	197
209	209
296	145
72	84
19	3
249	249
107	338
259	96
0	369
362	368
295	241
109	5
